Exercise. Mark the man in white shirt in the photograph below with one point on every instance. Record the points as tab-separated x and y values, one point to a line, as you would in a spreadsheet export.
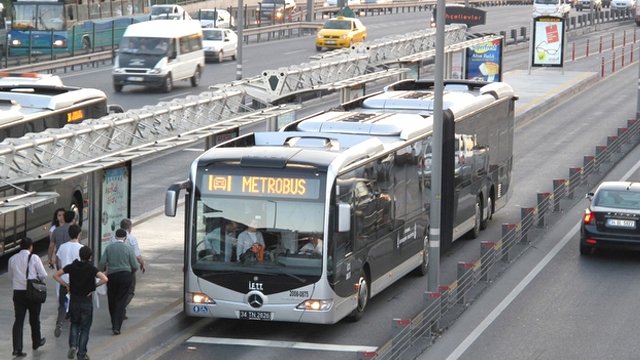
66	254
313	247
17	269
247	238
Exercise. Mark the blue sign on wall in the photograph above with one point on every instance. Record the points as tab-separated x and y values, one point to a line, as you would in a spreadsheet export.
484	61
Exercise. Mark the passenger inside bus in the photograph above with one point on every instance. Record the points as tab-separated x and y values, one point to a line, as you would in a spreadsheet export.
313	245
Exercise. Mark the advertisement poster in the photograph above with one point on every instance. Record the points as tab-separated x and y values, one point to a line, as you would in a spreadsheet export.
115	197
484	61
457	65
548	42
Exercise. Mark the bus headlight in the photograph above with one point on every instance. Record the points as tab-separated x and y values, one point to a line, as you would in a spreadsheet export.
200	298
315	305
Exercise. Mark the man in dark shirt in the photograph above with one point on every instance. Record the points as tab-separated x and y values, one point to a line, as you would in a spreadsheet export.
82	284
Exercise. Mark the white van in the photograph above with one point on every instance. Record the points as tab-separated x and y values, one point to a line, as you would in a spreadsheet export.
159	53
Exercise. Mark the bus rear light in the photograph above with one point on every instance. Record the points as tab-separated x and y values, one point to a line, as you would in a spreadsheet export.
200	298
588	217
315	305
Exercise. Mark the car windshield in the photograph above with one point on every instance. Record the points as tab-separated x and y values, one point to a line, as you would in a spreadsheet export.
208	15
620	199
338	25
212	35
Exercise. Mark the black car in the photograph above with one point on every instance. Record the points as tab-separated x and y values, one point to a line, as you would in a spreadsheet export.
612	218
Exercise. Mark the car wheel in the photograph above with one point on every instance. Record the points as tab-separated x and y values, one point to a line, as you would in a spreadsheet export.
195	79
167	86
86	43
362	297
318	48
585	250
117	88
234	57
220	56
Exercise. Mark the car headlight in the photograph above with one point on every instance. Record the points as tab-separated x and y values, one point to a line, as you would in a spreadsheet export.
344	36
118	70
315	305
59	43
16	42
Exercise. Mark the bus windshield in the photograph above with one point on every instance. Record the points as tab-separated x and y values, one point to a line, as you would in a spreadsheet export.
274	235
42	17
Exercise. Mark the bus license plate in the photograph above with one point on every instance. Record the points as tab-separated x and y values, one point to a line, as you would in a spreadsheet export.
135	78
255	315
629	224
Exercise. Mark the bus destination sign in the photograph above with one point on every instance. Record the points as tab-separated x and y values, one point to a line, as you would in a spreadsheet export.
247	185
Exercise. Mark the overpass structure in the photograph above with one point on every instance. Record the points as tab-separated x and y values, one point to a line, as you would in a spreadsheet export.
77	149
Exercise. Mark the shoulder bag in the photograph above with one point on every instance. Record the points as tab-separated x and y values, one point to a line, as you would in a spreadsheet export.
36	289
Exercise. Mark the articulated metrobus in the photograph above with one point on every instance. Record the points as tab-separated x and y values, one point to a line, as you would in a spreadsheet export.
29	104
45	26
306	224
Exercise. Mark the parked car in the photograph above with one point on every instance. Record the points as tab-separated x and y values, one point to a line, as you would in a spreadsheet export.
340	32
551	7
623	5
612	218
275	10
219	44
219	18
169	12
587	4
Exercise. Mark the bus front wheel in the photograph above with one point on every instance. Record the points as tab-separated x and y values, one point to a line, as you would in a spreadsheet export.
362	296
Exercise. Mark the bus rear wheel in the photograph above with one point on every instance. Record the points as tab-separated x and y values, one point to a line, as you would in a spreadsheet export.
362	297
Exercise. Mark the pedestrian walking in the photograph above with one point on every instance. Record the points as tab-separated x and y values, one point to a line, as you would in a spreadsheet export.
81	284
66	254
120	263
58	219
21	265
63	237
133	242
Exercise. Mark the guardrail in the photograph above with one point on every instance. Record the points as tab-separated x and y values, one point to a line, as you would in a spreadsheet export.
412	337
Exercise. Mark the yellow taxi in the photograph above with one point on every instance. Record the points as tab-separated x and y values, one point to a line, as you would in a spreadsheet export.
340	32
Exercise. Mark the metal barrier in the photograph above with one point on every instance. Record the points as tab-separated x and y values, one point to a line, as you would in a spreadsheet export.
417	334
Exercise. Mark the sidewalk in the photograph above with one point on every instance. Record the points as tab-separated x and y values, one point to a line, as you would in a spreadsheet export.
155	313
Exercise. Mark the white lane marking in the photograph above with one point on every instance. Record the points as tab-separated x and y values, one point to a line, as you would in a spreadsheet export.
294	52
193	149
281	344
464	345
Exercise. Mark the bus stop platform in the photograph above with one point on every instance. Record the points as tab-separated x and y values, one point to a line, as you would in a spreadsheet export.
155	315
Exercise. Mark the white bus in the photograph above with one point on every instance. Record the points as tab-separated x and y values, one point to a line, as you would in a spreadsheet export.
357	180
34	103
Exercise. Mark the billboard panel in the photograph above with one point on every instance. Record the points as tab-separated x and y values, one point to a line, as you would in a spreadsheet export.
548	41
484	61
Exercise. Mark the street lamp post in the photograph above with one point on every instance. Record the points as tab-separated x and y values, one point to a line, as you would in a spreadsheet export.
240	22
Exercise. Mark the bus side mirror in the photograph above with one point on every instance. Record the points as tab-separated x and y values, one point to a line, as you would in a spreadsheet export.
344	217
171	197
